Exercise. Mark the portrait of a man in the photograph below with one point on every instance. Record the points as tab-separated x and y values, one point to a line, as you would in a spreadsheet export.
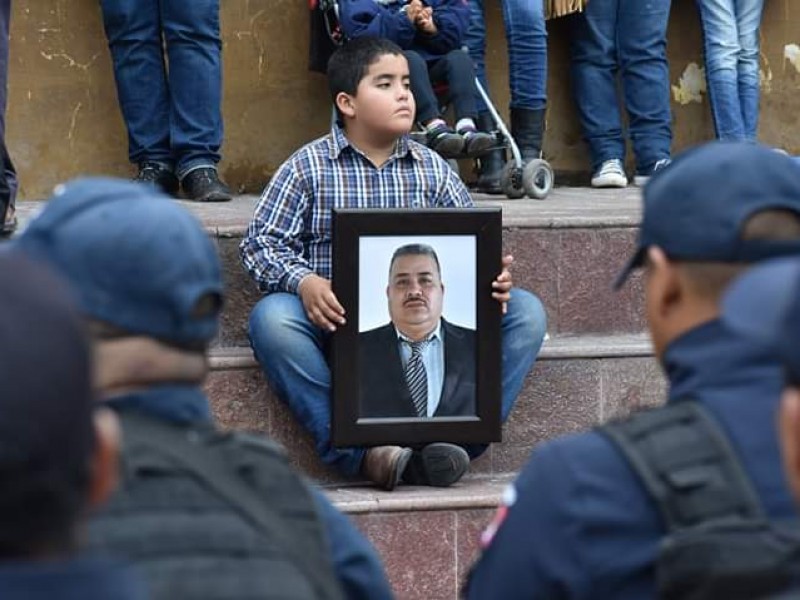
418	364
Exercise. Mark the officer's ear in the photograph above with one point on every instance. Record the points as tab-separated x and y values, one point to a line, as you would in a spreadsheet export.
105	462
663	285
789	428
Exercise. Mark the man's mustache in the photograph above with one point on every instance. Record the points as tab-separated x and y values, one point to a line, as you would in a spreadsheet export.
415	299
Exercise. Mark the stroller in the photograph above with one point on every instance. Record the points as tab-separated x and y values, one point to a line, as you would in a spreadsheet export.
534	178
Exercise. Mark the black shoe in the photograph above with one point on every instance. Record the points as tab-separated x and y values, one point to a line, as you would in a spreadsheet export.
490	165
157	175
437	465
527	129
204	185
477	143
445	141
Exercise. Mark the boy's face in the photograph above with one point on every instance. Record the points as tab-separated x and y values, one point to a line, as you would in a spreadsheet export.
383	104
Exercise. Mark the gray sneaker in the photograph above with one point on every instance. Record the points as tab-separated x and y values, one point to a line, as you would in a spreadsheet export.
611	174
641	180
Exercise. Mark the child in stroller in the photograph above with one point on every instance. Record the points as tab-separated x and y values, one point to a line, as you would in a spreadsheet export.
431	37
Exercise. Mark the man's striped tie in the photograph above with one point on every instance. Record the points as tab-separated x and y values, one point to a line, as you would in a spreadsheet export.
417	378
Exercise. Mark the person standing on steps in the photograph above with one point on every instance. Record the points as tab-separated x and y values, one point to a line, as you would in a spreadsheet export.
173	115
526	35
629	38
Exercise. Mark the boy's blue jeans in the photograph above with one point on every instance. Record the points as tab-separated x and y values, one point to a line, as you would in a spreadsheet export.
289	349
526	36
730	31
173	115
628	37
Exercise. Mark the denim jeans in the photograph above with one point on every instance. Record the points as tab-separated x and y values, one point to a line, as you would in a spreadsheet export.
730	31
628	37
526	36
290	350
5	16
454	69
173	115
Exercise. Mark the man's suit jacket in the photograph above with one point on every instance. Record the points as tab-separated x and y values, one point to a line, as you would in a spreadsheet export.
383	391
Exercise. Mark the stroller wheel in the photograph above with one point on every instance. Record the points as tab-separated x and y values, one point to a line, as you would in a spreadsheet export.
511	181
537	178
453	164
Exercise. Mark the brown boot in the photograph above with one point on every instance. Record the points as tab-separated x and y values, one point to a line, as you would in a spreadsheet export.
384	465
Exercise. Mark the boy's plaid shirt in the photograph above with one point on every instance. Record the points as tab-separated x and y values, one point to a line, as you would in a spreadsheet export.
290	235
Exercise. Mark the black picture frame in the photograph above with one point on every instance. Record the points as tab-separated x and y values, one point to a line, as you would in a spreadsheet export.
349	428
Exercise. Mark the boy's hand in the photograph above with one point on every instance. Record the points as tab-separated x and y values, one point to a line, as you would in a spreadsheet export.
502	285
425	21
413	10
322	307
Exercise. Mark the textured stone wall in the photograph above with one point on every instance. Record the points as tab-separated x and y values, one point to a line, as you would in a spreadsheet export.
64	120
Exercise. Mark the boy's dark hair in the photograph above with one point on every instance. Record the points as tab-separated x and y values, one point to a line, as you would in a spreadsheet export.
350	63
416	250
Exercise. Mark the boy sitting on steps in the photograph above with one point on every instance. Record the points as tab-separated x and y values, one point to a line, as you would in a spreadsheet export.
367	161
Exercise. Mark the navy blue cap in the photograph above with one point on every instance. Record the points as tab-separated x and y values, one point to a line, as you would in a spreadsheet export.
46	398
695	208
136	258
764	305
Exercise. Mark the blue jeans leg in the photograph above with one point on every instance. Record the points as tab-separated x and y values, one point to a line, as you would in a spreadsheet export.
721	45
289	349
522	332
642	47
593	43
133	28
191	32
749	13
526	36
421	88
5	17
456	70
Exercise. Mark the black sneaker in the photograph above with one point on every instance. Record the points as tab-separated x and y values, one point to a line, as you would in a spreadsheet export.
157	175
477	143
204	185
437	465
445	141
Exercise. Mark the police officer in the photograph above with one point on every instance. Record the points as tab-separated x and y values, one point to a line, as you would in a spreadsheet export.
202	513
578	522
764	305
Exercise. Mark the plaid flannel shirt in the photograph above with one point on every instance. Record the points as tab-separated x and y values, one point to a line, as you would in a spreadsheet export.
290	234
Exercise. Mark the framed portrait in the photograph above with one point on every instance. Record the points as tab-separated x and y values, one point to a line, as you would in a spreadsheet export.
418	360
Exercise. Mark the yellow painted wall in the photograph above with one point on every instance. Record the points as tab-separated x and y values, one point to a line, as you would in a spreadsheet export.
63	118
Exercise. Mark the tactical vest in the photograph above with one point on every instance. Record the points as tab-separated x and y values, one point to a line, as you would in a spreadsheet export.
719	542
210	515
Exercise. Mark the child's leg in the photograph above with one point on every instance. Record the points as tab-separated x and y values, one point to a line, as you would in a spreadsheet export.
441	138
457	71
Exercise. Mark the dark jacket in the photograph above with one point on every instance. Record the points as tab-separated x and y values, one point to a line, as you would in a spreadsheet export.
73	579
383	390
360	18
194	531
580	524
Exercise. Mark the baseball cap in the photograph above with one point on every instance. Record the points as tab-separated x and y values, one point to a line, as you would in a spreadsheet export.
695	208
136	258
46	400
764	306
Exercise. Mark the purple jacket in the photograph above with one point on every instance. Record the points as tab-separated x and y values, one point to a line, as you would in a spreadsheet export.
387	20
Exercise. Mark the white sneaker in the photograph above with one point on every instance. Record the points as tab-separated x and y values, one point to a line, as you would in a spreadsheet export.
641	180
611	174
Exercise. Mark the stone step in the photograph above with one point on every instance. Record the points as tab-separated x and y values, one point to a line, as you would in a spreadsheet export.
578	382
568	249
426	537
